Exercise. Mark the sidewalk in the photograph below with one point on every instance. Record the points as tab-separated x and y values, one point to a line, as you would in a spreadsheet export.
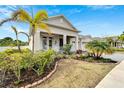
114	79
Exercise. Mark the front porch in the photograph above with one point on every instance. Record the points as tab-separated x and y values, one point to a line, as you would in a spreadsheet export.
56	41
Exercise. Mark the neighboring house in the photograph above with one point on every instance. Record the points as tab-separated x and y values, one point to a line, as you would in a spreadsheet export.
83	40
63	32
115	41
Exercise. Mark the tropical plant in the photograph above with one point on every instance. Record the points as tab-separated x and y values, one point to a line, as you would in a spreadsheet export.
67	48
16	63
110	41
26	35
35	22
121	37
43	59
17	41
97	48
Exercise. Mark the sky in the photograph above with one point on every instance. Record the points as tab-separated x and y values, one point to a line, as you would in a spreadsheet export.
94	20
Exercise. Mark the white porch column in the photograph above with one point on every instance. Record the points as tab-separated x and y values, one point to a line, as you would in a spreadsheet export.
30	43
47	42
81	44
64	39
37	42
76	43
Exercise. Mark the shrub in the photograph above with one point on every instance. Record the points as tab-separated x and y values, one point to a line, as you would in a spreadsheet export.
17	62
27	60
67	48
26	50
16	65
2	56
97	48
60	56
43	59
11	51
79	51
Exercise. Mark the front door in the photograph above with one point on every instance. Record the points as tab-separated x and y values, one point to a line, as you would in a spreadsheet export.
61	43
50	42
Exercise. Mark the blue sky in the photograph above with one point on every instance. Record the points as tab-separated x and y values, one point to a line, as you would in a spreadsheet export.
90	20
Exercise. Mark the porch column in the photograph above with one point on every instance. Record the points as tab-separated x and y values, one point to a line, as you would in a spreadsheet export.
47	42
64	39
37	44
76	43
81	45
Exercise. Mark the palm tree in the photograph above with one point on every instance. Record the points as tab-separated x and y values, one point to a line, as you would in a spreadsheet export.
17	41
26	35
110	41
121	37
97	48
35	22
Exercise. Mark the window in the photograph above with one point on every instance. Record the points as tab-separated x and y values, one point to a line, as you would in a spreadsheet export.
50	42
44	43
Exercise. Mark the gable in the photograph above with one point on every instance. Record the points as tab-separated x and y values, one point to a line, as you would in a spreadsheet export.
60	21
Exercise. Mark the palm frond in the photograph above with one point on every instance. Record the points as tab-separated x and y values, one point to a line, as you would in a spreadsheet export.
40	16
99	47
45	27
25	34
14	29
22	15
6	20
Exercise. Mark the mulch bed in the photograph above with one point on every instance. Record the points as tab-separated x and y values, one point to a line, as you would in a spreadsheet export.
27	77
94	60
98	60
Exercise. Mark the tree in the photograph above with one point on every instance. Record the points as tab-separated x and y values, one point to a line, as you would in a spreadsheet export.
97	48
121	37
17	41
110	41
26	35
6	41
35	22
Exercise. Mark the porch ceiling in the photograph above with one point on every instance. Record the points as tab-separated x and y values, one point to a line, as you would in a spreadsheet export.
53	34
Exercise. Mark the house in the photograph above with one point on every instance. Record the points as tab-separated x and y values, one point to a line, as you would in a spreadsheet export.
63	32
83	40
114	41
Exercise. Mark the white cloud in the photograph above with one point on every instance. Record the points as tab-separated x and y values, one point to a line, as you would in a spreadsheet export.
96	7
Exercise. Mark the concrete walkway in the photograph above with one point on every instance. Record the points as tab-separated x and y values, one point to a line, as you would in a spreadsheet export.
114	79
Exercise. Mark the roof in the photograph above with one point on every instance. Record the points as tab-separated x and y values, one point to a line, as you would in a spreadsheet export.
56	25
85	36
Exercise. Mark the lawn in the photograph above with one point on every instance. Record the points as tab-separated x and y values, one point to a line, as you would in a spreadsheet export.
118	49
77	74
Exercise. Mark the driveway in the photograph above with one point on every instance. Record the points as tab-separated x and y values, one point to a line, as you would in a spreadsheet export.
118	56
114	79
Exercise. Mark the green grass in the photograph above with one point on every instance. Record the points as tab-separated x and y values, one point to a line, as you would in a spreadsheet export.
118	49
77	74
